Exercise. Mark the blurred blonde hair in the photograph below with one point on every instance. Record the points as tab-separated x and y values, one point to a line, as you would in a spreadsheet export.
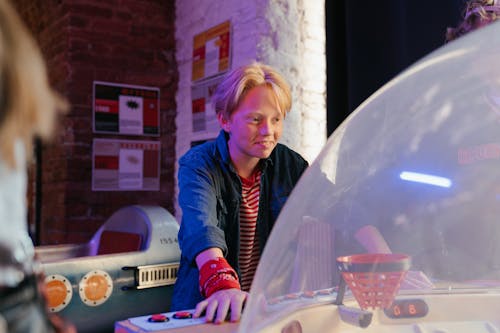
236	84
28	106
476	13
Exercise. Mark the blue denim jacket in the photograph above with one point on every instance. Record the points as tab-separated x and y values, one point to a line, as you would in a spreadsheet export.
210	196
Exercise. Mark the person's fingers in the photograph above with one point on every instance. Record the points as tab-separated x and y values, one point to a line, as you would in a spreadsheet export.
222	310
217	307
211	309
200	307
237	304
61	325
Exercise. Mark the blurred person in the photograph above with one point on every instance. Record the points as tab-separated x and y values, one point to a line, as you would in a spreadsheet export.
476	14
28	109
232	190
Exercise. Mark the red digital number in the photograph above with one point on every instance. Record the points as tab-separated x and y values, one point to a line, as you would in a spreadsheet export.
410	308
397	311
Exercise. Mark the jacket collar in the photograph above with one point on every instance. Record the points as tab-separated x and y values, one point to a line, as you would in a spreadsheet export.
221	144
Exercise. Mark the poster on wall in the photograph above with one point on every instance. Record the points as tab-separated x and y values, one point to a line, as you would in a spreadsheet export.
125	165
205	124
212	51
126	109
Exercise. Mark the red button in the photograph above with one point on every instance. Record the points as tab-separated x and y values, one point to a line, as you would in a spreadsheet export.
183	315
158	318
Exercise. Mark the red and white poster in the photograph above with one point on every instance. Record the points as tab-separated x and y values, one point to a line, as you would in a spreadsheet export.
126	109
212	51
205	124
125	165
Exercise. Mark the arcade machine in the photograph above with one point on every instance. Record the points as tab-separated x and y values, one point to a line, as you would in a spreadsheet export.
127	269
395	226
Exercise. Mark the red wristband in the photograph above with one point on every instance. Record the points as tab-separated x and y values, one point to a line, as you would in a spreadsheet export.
221	282
217	274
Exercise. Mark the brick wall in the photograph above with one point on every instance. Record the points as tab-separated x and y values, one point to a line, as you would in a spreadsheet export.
128	42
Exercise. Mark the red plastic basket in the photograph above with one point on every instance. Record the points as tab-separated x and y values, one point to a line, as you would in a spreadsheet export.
374	278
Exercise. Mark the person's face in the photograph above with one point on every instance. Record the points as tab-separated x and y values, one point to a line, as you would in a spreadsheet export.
254	127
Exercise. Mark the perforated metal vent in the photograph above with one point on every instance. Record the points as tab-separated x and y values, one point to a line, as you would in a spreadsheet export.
156	275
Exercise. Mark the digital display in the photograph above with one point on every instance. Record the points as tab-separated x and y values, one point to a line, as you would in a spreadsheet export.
407	308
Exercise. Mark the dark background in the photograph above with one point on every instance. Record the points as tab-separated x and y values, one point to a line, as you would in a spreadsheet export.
369	42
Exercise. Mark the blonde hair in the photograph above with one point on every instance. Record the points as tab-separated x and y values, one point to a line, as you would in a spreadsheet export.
236	84
475	13
28	106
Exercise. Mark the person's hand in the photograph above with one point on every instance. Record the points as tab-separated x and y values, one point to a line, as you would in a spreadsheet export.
61	325
220	303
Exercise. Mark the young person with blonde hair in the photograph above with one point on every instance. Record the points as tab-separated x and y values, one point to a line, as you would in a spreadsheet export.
231	191
28	108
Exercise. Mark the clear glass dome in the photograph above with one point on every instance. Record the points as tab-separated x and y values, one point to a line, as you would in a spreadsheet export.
419	163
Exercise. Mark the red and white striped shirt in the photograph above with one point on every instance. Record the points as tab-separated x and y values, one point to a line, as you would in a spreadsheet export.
249	241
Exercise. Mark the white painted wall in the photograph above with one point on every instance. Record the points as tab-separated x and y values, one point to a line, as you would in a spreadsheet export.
286	34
